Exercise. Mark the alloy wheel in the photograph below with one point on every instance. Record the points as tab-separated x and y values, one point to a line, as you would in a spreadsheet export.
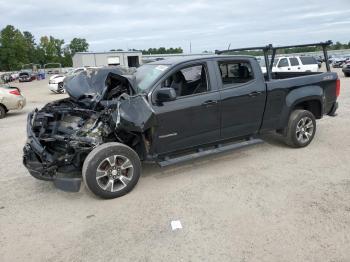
304	129
114	173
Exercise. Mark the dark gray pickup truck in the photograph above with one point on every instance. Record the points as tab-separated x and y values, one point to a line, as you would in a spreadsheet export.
167	112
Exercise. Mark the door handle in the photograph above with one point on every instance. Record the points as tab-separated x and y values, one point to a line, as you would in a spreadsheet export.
298	67
288	68
254	94
210	102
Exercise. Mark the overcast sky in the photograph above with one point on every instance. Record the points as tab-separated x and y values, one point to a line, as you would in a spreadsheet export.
209	25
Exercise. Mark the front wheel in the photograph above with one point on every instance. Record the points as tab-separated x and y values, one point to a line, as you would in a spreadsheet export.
301	128
61	89
111	170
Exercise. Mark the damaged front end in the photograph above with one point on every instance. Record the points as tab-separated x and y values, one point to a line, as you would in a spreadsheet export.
64	132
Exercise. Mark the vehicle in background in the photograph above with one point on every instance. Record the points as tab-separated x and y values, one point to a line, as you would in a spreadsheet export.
346	69
340	62
41	74
7	77
293	64
337	63
319	61
11	98
56	81
26	77
15	75
66	70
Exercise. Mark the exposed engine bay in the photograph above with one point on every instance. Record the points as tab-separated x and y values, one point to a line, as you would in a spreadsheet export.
103	107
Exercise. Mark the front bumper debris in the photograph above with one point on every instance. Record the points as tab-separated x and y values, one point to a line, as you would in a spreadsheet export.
40	164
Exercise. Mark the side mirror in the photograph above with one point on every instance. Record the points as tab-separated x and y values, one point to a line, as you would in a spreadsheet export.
166	94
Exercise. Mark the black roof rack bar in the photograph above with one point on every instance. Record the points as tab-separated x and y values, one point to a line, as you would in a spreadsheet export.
268	47
327	43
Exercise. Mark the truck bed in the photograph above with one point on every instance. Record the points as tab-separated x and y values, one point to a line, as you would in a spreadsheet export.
287	89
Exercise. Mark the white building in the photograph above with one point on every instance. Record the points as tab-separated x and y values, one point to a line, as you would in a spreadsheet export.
112	58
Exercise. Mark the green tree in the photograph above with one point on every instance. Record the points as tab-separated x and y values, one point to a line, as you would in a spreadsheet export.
52	49
163	50
78	45
30	47
66	60
337	45
13	48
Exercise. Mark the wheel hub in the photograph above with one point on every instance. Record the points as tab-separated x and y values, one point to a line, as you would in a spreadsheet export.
304	130
114	173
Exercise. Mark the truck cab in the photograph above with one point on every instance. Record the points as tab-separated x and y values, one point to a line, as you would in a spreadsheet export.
213	98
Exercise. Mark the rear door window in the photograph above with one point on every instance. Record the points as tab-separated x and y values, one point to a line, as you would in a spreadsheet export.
294	61
235	72
308	60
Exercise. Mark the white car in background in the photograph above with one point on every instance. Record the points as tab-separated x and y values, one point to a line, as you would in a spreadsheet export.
11	98
293	64
56	81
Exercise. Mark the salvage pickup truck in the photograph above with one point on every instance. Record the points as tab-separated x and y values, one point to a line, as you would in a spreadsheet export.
167	112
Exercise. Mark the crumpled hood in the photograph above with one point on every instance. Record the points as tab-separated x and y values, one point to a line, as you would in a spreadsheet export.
92	83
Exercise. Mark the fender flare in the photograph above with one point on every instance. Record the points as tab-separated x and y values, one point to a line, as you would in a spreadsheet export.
300	95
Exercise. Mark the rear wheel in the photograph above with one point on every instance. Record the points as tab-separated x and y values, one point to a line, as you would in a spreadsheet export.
2	111
111	170
301	128
346	74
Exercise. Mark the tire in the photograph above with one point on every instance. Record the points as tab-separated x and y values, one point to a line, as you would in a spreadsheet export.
60	88
301	128
346	74
2	111
103	172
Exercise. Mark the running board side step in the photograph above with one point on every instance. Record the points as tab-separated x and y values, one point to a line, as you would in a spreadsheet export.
202	152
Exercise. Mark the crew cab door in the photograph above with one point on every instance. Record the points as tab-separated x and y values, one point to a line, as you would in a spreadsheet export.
283	65
295	64
243	94
193	118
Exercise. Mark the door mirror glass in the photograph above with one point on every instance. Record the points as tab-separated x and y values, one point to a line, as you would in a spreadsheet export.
166	94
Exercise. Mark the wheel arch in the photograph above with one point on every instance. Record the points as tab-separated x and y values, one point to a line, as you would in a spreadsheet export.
307	98
314	105
2	105
140	142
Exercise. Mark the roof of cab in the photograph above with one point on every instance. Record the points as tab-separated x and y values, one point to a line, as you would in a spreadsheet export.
183	59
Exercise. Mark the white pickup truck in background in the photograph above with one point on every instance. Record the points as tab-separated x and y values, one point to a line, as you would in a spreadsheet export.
293	64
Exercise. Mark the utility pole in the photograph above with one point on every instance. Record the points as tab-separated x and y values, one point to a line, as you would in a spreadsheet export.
190	47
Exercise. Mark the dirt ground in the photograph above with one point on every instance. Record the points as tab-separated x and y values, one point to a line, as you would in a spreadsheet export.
263	203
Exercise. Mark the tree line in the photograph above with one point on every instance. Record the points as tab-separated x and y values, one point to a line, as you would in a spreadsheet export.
19	48
155	51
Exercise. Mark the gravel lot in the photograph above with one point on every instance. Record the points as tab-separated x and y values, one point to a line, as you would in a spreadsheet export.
263	203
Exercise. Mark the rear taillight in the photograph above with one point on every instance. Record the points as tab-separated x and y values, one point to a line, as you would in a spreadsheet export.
15	92
337	87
